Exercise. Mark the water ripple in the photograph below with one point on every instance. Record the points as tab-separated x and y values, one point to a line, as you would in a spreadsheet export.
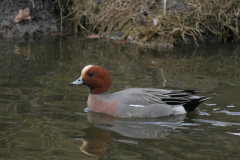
231	113
237	134
217	123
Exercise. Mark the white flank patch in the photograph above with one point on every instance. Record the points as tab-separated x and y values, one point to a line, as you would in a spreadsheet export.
194	97
179	110
84	70
134	105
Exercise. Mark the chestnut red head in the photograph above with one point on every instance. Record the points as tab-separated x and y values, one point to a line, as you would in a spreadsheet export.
96	78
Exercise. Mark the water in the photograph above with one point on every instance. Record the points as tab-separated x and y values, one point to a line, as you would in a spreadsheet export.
41	117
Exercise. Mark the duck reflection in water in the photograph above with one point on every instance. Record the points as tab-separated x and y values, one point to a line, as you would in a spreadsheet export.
101	125
95	141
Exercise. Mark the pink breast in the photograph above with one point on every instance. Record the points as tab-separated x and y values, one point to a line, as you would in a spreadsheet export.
100	106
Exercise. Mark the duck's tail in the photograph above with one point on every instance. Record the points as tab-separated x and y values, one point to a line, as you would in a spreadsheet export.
195	101
186	99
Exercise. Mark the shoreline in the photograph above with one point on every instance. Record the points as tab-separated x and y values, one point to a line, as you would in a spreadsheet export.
143	23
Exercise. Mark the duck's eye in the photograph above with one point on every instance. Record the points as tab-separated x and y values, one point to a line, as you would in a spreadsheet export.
90	74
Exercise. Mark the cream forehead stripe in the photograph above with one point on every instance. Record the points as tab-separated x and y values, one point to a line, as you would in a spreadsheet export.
84	70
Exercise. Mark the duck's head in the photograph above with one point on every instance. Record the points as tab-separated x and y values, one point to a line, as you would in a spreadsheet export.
95	77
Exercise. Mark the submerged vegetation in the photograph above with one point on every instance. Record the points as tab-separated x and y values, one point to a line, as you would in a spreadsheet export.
145	22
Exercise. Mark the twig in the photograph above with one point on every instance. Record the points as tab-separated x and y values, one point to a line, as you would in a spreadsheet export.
164	79
70	13
60	14
164	7
83	27
208	28
33	3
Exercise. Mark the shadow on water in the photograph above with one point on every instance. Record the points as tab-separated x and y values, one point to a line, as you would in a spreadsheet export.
42	117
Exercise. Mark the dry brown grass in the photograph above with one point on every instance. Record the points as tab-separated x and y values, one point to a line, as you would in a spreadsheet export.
199	19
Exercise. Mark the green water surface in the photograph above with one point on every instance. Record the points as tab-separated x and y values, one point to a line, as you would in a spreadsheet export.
41	117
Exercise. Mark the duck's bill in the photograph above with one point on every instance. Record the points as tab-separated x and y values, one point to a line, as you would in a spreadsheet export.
77	82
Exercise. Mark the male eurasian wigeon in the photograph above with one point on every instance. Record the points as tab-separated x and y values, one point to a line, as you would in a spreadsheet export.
135	102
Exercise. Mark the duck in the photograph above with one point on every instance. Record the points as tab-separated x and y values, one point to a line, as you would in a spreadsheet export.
135	102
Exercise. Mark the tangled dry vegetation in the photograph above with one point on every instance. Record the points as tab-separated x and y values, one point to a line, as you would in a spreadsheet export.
143	21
